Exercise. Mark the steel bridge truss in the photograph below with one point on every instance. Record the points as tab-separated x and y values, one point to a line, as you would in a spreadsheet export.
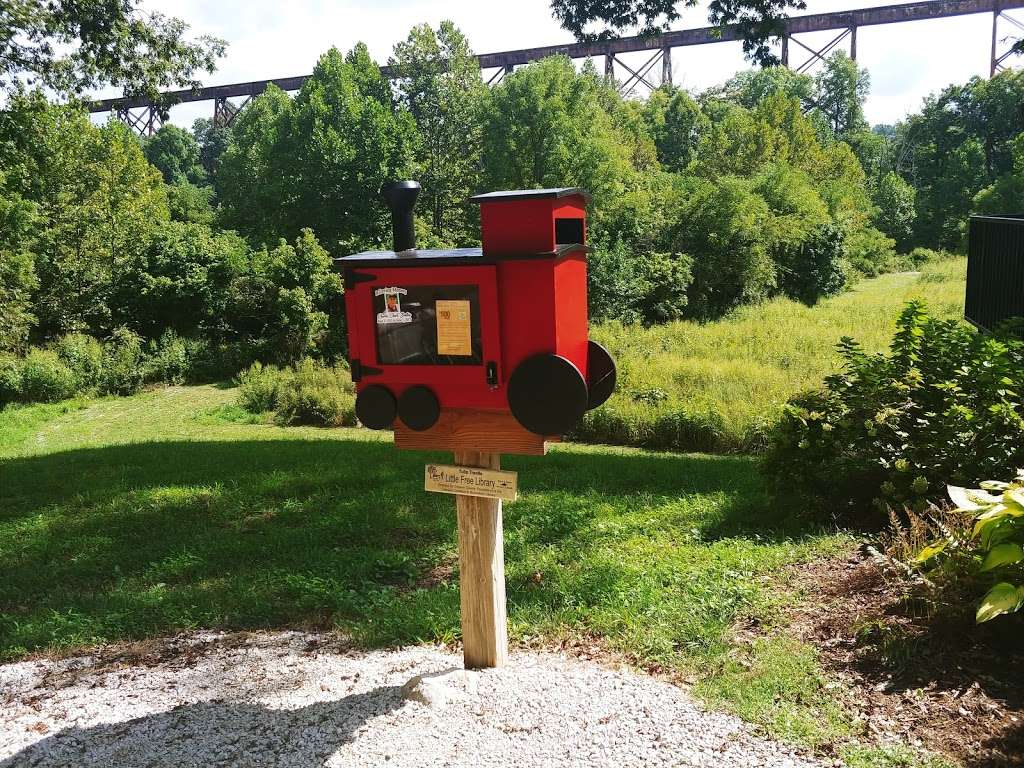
144	118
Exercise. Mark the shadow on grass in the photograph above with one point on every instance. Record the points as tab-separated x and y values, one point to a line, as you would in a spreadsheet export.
118	542
225	732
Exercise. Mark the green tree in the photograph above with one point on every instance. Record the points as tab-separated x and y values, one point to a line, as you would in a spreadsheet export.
675	122
98	202
180	280
545	126
175	153
1006	195
439	83
750	87
71	46
213	141
17	270
839	93
960	143
895	201
318	161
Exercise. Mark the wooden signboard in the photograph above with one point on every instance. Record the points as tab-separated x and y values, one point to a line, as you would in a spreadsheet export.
471	481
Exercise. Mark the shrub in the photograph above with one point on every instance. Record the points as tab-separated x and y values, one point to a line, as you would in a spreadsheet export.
46	378
209	361
123	363
944	406
313	394
258	387
168	360
10	379
992	553
84	356
815	268
870	252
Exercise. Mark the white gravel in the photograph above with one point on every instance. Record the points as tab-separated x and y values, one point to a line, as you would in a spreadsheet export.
293	699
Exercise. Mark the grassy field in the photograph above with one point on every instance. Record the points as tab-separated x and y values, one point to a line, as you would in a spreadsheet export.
718	386
134	517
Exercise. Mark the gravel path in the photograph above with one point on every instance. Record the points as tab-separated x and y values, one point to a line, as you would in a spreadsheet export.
293	699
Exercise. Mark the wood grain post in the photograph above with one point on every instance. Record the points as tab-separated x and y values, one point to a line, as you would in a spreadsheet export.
481	572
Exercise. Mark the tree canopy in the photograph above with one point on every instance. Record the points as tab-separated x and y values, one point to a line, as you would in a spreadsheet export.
71	46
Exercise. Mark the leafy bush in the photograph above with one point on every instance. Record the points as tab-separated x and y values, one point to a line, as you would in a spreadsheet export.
944	406
10	379
637	289
258	387
994	547
309	393
870	252
84	356
313	394
815	268
168	360
123	371
46	378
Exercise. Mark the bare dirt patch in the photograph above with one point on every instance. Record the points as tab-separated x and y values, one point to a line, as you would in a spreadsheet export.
915	676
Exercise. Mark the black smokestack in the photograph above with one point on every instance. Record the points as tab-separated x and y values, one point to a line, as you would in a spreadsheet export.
401	199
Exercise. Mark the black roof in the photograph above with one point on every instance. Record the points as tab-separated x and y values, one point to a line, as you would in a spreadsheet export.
444	258
529	194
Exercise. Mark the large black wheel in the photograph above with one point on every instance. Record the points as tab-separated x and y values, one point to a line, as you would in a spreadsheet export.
600	375
376	407
418	408
547	394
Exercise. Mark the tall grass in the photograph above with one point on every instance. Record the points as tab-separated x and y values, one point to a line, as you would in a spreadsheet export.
719	386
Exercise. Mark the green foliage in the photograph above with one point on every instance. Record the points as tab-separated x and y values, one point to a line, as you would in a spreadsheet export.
72	47
870	252
944	406
992	553
168	360
45	378
123	356
815	267
720	386
439	82
318	396
307	393
637	289
750	87
175	153
959	144
190	204
258	387
317	161
11	381
840	89
569	138
894	199
757	20
675	123
84	356
1006	194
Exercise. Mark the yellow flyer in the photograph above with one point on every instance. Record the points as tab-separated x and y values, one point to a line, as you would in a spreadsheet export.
454	328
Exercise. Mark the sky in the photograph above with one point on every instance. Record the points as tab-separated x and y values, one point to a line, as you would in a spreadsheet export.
268	38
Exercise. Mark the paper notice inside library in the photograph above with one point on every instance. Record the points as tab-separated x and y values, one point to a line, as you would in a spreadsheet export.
454	328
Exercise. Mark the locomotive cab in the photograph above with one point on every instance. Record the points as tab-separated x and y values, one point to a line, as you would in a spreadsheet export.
501	328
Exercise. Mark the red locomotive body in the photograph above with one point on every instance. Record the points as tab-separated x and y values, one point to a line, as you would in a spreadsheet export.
502	328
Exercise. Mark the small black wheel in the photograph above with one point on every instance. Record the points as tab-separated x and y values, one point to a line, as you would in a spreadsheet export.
547	394
418	408
600	375
376	407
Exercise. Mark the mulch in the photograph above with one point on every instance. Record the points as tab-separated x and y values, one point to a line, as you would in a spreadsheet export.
914	674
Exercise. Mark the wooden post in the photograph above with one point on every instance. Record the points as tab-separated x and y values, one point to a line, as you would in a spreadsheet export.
481	572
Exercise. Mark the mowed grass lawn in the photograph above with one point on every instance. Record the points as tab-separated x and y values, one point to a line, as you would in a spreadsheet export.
137	517
719	386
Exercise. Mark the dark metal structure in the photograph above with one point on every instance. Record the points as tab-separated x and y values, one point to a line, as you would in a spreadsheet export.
995	270
143	116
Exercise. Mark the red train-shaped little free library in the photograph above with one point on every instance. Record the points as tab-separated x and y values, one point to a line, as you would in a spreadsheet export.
500	329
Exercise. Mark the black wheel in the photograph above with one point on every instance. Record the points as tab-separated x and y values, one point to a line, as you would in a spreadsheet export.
375	407
418	408
547	394
600	375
